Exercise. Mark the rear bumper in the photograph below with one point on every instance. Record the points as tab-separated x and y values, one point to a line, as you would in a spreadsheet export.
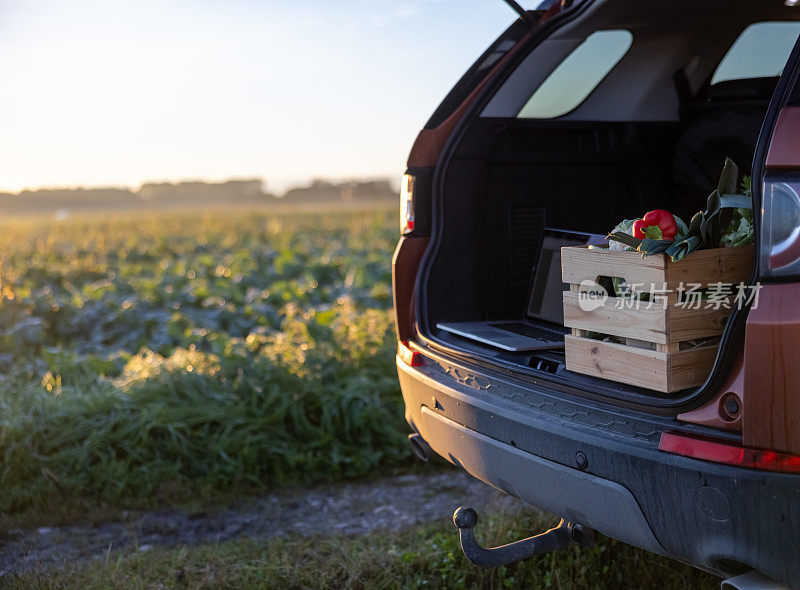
530	440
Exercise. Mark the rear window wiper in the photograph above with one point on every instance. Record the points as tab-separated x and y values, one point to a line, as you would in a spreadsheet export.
523	14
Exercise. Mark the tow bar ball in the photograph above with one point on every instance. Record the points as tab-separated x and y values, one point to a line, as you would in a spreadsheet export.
559	537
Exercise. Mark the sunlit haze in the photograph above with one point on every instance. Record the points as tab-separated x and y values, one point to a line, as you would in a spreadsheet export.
99	93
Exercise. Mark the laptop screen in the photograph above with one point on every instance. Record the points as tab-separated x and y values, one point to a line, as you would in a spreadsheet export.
545	301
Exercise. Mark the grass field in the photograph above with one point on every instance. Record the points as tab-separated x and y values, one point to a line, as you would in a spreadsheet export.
178	356
191	358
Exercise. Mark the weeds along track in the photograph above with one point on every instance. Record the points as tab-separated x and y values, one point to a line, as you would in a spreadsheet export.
155	359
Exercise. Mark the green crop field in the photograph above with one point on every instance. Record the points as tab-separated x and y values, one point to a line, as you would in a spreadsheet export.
179	355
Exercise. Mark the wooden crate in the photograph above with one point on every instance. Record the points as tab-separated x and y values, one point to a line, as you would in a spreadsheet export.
664	322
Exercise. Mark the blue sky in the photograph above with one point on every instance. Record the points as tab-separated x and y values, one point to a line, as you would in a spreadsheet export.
114	93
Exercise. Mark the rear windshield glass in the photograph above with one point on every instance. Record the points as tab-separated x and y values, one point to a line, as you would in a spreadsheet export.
578	75
761	51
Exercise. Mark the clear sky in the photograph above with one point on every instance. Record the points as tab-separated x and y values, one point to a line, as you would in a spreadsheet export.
102	92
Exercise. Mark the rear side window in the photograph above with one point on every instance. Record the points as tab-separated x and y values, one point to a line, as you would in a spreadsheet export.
761	51
578	75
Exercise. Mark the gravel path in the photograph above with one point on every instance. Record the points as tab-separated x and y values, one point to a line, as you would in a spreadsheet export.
348	509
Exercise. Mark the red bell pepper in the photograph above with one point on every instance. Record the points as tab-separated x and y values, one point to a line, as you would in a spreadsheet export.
656	225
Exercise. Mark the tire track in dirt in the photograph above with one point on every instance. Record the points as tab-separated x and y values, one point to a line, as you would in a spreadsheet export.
346	509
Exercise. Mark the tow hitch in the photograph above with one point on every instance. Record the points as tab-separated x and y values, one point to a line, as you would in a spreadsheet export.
559	537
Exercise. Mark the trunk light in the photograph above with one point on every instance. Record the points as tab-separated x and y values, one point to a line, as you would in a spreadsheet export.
720	452
408	356
407	204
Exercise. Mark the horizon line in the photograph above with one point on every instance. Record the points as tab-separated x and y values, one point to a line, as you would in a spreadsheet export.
282	187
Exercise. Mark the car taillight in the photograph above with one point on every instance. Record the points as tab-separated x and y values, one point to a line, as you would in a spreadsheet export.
720	452
410	357
780	229
407	204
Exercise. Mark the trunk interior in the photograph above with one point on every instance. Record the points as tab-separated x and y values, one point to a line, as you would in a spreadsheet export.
505	173
584	177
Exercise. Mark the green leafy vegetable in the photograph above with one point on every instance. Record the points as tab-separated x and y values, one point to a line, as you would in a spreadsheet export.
653	233
683	229
740	230
705	230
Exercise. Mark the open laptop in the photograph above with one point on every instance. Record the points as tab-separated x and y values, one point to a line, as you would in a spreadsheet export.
545	303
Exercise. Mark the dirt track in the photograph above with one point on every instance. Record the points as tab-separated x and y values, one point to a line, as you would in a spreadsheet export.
348	509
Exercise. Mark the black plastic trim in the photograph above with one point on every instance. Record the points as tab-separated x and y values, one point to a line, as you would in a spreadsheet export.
607	506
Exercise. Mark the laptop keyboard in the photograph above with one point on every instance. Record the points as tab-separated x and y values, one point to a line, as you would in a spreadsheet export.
530	331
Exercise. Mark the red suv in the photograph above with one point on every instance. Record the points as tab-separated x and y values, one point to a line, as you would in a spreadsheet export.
584	113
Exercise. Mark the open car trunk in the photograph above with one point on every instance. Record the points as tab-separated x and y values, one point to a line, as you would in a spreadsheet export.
584	177
584	173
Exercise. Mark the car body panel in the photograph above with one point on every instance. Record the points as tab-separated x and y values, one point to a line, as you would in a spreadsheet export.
772	377
784	148
405	263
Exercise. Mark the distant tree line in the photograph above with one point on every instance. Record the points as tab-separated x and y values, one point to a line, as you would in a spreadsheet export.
202	194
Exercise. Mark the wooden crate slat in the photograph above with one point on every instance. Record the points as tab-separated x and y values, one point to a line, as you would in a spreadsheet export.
690	324
651	369
617	362
707	267
580	263
643	324
703	267
678	324
690	368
